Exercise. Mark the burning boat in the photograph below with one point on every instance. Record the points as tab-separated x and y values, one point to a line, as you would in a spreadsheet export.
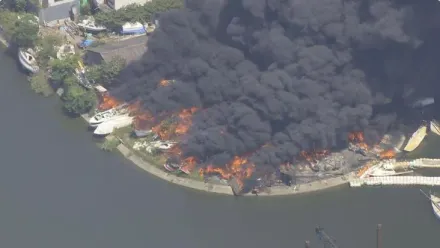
109	126
435	127
385	168
172	164
108	115
417	138
27	60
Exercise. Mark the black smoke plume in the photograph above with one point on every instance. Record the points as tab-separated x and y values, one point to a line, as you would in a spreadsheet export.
275	77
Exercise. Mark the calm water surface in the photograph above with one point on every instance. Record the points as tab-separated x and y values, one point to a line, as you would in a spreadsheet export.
57	189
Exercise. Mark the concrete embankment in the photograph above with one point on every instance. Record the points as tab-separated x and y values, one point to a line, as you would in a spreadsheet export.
224	189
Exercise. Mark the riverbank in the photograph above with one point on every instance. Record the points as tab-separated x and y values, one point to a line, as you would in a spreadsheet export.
225	189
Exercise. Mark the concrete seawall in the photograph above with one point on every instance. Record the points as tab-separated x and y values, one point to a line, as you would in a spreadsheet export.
226	190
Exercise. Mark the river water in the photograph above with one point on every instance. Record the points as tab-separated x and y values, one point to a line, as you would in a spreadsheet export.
57	189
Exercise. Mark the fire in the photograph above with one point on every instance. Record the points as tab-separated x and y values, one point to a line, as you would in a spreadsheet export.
164	82
143	121
108	102
176	125
388	154
358	139
188	164
315	156
239	167
185	121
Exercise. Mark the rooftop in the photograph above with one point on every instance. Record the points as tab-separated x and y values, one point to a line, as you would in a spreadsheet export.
56	12
129	49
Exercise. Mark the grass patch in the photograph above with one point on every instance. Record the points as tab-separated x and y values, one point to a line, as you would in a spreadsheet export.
110	144
40	84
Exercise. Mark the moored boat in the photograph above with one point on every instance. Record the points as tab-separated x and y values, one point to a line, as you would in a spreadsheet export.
435	203
435	127
416	139
107	115
108	127
27	60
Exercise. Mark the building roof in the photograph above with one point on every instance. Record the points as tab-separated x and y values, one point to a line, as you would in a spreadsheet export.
129	49
56	12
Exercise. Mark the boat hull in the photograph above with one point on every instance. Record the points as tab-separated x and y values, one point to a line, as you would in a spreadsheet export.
416	139
436	209
22	58
141	133
108	127
435	127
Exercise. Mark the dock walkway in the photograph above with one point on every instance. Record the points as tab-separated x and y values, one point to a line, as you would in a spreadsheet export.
420	163
396	180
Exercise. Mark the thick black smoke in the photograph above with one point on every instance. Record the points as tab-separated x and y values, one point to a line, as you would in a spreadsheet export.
281	76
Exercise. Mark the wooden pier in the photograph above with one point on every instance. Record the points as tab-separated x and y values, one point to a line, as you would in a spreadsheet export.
396	180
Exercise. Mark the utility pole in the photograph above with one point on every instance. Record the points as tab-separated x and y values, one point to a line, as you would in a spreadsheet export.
379	236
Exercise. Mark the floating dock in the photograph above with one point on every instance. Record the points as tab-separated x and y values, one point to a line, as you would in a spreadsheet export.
396	180
418	163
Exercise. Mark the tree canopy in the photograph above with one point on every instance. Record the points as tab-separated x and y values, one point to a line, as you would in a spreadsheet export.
114	20
47	49
106	72
30	6
62	69
22	29
77	100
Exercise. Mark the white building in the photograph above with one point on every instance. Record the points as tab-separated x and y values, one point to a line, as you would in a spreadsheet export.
56	10
117	4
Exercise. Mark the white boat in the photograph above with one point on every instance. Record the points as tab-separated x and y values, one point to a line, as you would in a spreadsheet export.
107	115
27	60
109	126
435	127
89	25
142	133
416	139
65	50
435	202
133	28
380	172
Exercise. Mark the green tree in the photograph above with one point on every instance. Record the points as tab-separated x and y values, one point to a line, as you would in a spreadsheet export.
7	21
61	69
77	100
47	49
106	72
40	84
31	6
25	31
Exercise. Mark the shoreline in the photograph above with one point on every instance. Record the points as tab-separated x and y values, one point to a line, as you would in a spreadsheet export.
208	187
218	188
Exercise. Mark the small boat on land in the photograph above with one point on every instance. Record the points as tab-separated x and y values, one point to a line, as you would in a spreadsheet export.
435	127
109	126
435	203
107	115
65	51
142	133
89	25
416	139
133	28
27	60
381	172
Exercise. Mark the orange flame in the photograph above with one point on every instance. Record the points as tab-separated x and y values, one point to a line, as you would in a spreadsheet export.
239	168
388	154
188	164
169	128
107	102
357	138
315	156
164	82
